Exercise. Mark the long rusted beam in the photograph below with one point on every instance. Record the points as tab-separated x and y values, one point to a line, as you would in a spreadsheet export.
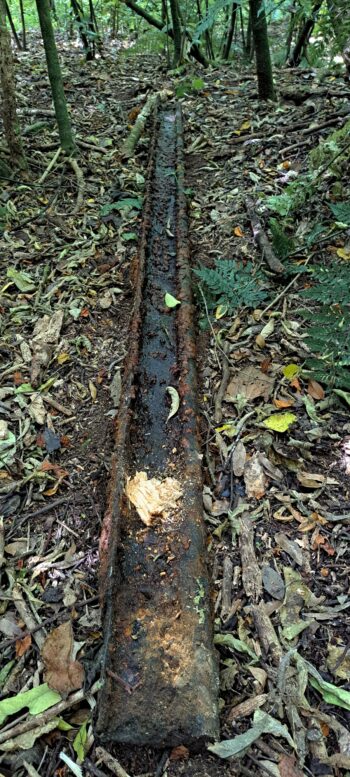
160	670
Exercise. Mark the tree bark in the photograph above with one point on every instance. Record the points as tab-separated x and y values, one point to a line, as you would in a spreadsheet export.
174	10
262	50
79	18
304	36
13	28
8	90
231	29
339	12
55	76
195	51
23	22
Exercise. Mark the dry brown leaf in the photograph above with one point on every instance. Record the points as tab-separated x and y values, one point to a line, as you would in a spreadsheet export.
61	673
179	753
22	645
152	497
239	457
250	383
254	478
311	479
288	767
283	403
315	390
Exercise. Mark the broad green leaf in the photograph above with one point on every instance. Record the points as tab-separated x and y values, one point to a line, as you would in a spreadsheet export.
25	388
331	694
80	741
292	631
170	301
291	371
37	700
129	236
343	395
280	422
235	644
221	311
22	280
175	401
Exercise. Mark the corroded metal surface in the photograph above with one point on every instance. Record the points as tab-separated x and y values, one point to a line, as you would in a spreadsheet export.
159	664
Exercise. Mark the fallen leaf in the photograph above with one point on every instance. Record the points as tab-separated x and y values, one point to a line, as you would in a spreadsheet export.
250	383
238	458
62	674
238	232
37	700
338	661
343	253
280	422
93	390
175	401
170	301
220	312
315	390
254	478
288	767
22	645
310	480
152	497
179	753
273	582
281	404
290	371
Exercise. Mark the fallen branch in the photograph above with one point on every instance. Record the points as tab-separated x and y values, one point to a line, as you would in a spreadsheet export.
26	615
133	138
50	165
262	240
37	721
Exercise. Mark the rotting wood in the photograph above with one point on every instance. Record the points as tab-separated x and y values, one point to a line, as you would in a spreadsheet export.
133	138
262	240
159	666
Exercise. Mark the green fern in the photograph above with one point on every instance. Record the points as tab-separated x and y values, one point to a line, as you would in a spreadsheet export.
232	284
283	245
341	211
328	333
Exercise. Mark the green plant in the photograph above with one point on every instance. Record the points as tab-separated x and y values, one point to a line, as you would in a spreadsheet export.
328	333
232	284
188	86
283	245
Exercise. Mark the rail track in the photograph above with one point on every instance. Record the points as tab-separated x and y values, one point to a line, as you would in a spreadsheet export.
160	673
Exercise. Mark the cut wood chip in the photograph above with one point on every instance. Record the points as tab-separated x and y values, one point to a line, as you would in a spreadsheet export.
250	383
62	674
152	497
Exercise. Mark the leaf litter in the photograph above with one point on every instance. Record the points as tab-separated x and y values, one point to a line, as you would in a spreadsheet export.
282	636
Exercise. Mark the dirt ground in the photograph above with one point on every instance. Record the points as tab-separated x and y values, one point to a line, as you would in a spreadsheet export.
60	397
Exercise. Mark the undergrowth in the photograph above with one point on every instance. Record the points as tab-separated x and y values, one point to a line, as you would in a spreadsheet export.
231	285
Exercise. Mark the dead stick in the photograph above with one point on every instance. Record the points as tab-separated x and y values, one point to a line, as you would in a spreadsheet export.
223	386
133	138
37	721
112	764
262	240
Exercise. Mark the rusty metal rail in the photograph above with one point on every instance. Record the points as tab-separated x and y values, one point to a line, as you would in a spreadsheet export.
159	665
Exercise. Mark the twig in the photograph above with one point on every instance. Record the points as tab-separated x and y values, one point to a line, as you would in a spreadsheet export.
8	642
223	386
112	764
2	541
27	616
92	769
284	291
31	770
80	183
50	165
57	405
37	721
262	240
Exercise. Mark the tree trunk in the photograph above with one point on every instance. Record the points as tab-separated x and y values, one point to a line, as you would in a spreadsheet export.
55	76
13	28
247	44
195	51
339	12
79	18
262	50
304	36
8	90
230	31
23	22
290	33
174	10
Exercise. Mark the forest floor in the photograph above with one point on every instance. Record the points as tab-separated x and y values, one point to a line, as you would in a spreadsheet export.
276	492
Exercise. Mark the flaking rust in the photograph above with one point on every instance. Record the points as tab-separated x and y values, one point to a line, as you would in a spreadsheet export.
160	673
